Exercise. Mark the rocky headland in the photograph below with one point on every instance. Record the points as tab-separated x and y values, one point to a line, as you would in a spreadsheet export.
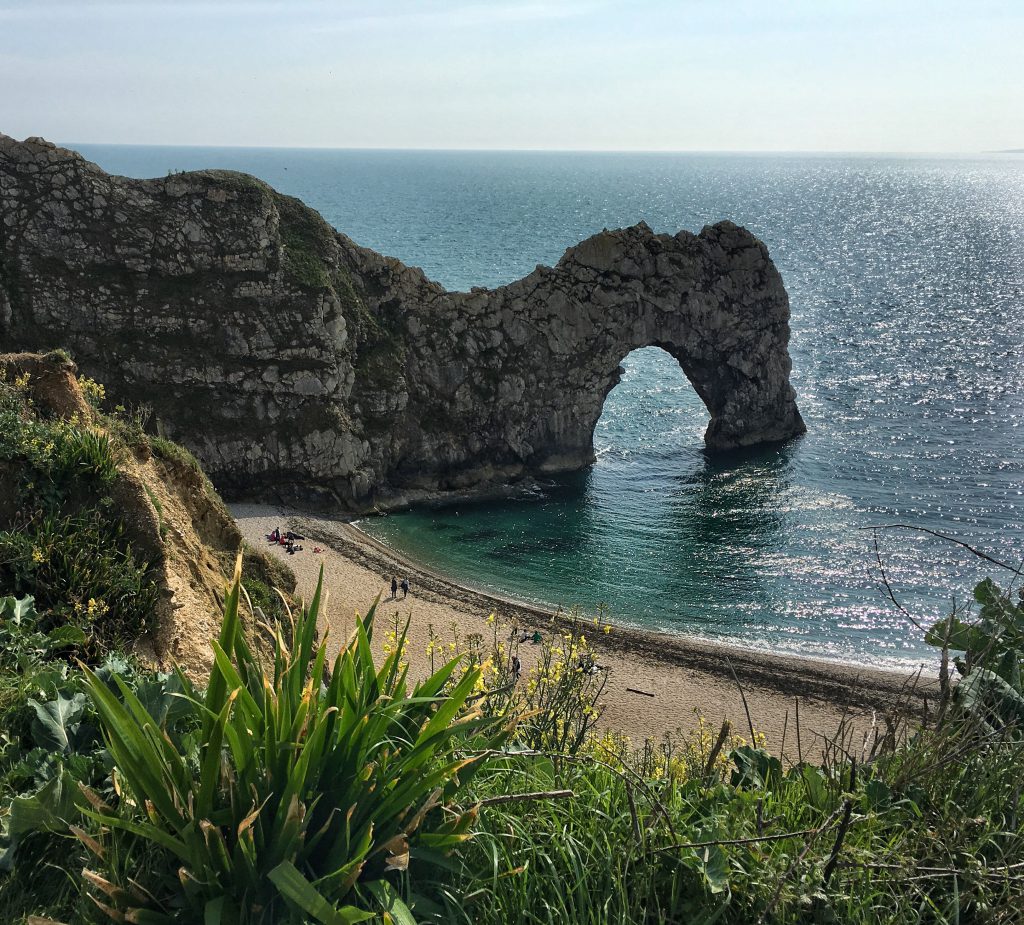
298	365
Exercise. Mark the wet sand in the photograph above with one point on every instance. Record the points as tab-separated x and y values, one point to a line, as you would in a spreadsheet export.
658	683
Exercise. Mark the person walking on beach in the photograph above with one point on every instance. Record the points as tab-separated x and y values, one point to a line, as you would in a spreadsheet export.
517	668
394	587
405	588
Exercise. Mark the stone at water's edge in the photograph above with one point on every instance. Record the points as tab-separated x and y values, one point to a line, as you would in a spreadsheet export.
294	362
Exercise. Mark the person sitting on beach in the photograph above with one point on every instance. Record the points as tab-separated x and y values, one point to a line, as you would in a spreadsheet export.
275	536
405	588
394	587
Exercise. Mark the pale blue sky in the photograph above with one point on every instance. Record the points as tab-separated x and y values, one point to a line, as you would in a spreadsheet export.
577	74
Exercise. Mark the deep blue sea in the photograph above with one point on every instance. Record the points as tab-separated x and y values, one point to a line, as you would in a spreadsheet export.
906	277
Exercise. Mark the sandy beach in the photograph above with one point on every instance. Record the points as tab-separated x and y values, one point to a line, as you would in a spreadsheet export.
658	684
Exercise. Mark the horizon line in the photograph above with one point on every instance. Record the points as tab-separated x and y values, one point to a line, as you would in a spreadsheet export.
471	150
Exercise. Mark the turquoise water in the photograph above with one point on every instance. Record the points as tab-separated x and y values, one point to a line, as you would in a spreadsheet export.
906	276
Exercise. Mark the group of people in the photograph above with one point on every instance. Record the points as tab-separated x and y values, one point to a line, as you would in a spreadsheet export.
289	539
396	585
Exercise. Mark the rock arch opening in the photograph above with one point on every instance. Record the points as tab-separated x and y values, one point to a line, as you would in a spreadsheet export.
652	409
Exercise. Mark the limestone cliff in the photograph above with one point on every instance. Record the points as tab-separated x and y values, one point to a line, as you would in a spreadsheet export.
294	362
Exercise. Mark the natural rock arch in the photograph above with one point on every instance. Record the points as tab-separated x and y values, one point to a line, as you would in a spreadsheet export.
713	392
715	302
295	362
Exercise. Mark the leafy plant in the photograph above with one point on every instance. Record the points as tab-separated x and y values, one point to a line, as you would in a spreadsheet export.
82	573
558	700
86	455
308	792
992	664
55	744
23	644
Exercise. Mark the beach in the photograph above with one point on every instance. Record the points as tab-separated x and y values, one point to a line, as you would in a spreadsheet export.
658	684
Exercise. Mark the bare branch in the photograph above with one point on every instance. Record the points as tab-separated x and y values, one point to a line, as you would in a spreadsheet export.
753	840
1016	570
522	797
888	587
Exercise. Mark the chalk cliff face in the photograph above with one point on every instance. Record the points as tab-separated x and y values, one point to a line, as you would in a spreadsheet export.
295	363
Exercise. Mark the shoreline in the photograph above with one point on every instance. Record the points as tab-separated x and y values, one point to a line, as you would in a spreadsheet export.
677	649
686	641
679	676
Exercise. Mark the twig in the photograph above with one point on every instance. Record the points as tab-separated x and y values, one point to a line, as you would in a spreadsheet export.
888	587
811	837
799	746
633	690
934	871
634	819
778	836
840	835
522	797
948	539
716	749
743	697
493	692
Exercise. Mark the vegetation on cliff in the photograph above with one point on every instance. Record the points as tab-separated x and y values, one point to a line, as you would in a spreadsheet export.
111	530
62	542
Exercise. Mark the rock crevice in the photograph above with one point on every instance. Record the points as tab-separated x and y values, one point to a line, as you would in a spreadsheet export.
295	363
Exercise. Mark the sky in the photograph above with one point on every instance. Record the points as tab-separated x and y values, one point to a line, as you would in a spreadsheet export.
646	75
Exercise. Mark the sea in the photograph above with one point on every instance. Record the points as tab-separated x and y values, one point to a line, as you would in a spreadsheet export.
906	281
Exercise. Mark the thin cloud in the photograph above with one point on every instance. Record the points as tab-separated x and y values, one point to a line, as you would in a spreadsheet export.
335	17
465	16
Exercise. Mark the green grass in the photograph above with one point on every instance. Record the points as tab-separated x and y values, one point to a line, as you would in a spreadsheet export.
927	826
628	848
82	573
173	452
307	239
923	825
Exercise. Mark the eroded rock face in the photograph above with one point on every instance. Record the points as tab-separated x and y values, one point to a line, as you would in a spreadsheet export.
295	363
